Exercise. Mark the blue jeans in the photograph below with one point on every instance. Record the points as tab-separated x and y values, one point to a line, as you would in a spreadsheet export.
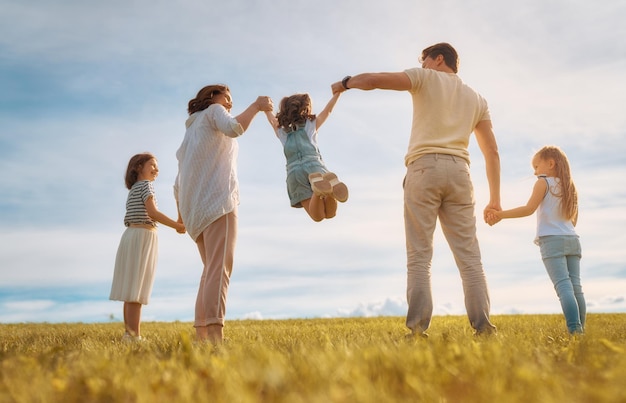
561	256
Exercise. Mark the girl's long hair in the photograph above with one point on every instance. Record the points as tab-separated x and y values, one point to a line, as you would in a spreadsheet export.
568	193
294	111
205	97
134	167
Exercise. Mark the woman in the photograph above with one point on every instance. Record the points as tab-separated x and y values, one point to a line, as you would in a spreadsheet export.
207	194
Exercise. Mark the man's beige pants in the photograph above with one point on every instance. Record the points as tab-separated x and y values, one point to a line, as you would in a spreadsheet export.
439	186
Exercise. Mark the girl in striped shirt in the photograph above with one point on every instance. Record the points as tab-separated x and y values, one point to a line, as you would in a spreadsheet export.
137	253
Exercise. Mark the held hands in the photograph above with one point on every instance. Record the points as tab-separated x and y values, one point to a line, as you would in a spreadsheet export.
337	87
341	86
492	216
265	104
180	227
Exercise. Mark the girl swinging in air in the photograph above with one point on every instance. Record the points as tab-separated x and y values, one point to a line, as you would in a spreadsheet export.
309	183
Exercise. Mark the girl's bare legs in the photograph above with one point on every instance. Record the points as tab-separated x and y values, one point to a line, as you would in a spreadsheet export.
315	207
320	207
132	318
330	206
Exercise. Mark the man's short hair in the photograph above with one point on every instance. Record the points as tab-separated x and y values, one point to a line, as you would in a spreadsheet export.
447	51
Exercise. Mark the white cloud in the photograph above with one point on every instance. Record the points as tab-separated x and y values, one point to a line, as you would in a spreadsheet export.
253	315
387	307
29	305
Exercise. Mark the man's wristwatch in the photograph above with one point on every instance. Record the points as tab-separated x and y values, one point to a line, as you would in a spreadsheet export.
344	82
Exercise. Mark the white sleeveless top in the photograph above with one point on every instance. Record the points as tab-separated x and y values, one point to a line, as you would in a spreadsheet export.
549	219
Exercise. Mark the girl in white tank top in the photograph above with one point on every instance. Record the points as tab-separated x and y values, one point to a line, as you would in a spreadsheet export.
555	199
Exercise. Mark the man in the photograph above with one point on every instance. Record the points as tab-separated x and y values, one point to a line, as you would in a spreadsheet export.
437	182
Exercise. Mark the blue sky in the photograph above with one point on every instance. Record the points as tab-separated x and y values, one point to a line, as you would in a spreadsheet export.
85	85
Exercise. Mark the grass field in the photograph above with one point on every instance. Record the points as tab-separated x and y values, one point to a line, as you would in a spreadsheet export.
532	359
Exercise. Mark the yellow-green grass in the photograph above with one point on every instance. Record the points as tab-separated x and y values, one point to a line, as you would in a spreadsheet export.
531	359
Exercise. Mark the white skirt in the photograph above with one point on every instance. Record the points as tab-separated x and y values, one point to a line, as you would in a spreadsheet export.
135	265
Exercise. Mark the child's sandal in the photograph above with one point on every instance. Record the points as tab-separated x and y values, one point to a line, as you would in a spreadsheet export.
320	186
339	189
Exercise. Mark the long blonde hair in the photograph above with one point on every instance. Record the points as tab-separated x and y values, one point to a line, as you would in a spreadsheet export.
568	193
